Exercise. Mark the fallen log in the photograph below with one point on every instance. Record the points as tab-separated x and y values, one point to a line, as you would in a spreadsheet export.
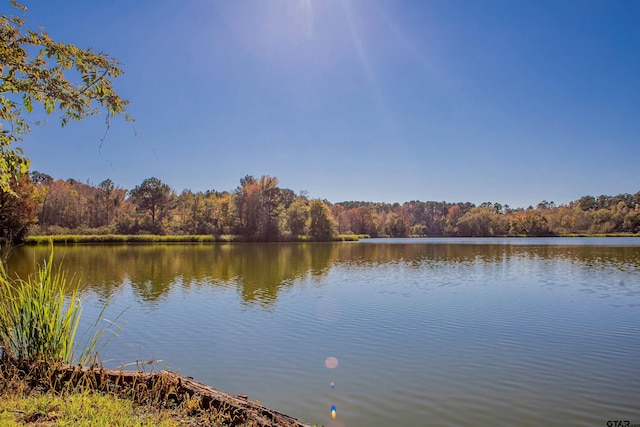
166	387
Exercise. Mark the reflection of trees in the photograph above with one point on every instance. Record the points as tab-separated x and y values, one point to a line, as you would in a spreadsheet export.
261	270
97	268
414	253
153	269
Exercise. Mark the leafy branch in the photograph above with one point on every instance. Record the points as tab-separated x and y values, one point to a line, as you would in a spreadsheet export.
58	76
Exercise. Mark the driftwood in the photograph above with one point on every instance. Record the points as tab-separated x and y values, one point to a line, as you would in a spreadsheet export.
170	388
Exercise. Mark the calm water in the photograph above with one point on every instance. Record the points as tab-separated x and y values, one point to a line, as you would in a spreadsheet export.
476	332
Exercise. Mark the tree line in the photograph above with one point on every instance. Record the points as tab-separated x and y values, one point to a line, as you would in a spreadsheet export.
258	209
77	83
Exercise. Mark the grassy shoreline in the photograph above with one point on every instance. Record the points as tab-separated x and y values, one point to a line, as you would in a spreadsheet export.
153	238
52	393
226	238
81	409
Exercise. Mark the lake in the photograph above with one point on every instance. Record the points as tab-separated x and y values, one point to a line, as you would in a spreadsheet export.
465	332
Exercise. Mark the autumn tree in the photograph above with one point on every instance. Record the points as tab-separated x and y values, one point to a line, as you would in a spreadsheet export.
247	200
42	182
361	221
394	226
435	217
482	222
17	209
259	203
186	208
36	70
196	212
529	224
65	204
260	210
453	216
427	218
340	215
108	199
270	208
225	213
631	223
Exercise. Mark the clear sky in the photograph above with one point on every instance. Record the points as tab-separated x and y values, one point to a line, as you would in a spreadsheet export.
379	100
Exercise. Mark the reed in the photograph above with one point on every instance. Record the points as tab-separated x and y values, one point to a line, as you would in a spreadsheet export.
39	321
351	237
121	238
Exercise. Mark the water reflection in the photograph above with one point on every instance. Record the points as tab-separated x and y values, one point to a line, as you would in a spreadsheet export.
261	271
456	332
258	270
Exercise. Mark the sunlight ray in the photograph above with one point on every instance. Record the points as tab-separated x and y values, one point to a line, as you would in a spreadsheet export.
426	59
306	7
357	42
364	61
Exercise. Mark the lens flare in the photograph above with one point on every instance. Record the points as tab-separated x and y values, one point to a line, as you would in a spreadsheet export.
333	412
331	362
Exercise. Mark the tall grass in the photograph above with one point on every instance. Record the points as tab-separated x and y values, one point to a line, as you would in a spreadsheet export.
39	322
121	238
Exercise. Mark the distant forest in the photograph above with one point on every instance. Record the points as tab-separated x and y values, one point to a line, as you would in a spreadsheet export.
259	210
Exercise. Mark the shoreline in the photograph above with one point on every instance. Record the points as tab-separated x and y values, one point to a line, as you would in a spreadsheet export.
153	238
175	388
168	388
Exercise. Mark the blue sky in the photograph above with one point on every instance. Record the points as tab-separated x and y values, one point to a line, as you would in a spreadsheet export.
379	100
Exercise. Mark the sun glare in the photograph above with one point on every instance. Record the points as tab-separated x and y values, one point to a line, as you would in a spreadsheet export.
306	7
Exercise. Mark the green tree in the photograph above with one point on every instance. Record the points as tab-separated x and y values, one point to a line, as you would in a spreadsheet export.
297	217
154	198
321	224
36	70
587	203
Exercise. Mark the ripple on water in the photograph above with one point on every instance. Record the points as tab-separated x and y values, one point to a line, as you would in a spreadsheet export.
513	337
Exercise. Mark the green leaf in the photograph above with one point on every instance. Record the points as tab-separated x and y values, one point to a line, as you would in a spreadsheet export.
49	105
26	100
33	66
